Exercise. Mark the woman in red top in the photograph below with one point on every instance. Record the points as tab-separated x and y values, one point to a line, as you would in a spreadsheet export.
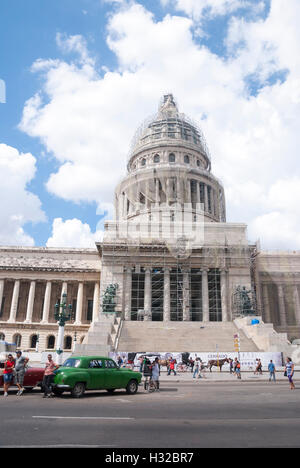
8	373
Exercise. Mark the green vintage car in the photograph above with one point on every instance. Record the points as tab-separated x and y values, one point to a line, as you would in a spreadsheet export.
81	373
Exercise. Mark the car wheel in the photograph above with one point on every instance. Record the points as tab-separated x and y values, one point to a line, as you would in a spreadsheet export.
132	387
78	390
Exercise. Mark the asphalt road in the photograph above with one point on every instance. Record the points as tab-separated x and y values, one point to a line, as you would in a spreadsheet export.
182	415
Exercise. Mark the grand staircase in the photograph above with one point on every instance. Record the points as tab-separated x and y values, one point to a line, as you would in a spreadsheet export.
182	336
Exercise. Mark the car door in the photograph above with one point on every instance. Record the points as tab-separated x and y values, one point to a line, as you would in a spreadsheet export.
97	374
115	375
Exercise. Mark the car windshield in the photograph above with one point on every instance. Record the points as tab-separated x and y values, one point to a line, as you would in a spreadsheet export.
71	363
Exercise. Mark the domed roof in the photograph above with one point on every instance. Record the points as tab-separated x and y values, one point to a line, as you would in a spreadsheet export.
169	124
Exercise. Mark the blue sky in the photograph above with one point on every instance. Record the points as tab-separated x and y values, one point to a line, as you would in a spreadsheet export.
81	76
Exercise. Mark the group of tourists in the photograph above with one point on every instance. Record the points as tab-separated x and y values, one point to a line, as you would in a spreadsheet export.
14	373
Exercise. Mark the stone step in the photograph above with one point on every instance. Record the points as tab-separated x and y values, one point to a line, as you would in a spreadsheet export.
179	336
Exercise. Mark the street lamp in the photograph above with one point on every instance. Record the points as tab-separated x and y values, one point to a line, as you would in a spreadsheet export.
62	315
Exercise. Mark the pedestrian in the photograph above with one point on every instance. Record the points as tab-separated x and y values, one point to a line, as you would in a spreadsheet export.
8	373
192	362
289	372
141	359
50	367
196	368
20	369
234	366
238	369
271	369
172	366
119	361
230	366
258	369
156	373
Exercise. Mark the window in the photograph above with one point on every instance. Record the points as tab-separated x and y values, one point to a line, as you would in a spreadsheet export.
198	163
89	315
172	158
143	162
96	364
17	339
110	365
2	336
187	159
33	341
51	342
68	342
156	158
71	363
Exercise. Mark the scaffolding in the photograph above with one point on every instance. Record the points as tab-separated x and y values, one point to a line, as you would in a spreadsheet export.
185	278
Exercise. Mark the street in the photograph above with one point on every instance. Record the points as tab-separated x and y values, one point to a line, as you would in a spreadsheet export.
182	415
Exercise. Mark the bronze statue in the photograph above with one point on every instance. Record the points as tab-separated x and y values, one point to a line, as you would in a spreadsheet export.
109	303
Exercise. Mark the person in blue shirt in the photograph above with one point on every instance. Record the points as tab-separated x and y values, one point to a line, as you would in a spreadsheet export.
271	368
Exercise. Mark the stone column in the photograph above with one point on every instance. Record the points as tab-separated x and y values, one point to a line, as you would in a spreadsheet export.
205	198
266	303
128	293
64	289
281	305
1	293
167	305
30	303
14	302
96	302
157	191
188	189
79	304
296	304
186	296
224	296
205	299
148	294
46	307
197	196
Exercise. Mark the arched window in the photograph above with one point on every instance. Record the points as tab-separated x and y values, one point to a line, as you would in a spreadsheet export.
2	336
68	342
198	163
143	162
51	342
187	159
156	158
17	339
172	158
33	341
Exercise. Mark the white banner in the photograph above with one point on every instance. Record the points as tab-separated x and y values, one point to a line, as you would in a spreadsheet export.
247	360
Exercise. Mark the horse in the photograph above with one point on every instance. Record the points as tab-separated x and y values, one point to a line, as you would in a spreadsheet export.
217	362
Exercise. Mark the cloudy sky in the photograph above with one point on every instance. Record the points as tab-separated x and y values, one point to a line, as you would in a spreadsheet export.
80	76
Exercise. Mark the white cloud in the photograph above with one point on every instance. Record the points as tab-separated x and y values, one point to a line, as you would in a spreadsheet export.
87	120
198	9
18	205
73	233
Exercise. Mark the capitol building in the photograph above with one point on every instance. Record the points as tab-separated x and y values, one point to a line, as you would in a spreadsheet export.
169	270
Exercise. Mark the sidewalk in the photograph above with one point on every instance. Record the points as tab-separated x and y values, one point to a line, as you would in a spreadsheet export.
225	376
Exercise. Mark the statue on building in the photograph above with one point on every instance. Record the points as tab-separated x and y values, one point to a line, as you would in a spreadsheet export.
243	304
109	302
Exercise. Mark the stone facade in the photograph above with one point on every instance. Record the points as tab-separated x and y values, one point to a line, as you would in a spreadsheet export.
169	250
32	280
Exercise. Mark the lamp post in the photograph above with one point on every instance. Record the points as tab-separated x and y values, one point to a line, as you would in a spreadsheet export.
75	340
62	315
